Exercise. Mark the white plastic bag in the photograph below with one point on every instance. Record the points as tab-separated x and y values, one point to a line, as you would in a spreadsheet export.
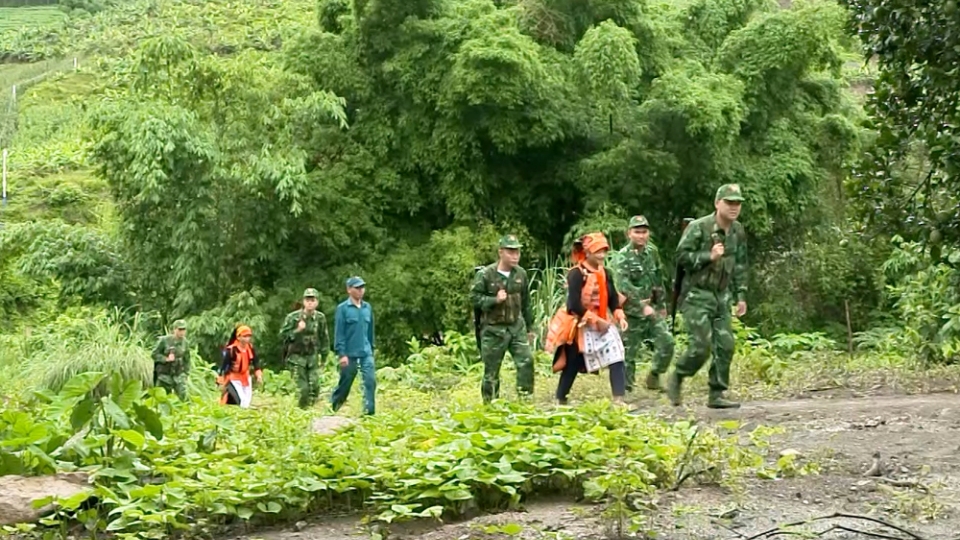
602	349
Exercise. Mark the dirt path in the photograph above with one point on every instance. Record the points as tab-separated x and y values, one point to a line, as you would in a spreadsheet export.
916	437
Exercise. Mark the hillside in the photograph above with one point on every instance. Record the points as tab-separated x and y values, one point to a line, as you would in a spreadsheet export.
209	160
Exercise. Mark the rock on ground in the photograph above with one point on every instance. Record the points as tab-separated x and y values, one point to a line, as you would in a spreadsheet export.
19	492
328	425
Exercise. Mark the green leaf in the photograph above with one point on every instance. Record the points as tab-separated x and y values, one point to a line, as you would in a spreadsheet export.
10	463
82	384
512	529
115	413
150	419
135	439
74	501
131	393
457	495
82	413
731	425
244	513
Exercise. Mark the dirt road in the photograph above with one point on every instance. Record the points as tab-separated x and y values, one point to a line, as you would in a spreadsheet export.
917	485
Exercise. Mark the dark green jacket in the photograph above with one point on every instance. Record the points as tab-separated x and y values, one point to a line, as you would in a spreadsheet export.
181	352
314	339
483	294
729	273
636	274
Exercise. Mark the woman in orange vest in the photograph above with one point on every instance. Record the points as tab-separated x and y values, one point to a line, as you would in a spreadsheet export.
239	357
593	302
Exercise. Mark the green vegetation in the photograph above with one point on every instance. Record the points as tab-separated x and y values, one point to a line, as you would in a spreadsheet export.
210	160
20	18
158	465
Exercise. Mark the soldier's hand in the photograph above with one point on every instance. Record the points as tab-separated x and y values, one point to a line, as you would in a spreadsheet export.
530	337
344	361
171	357
716	252
301	325
648	311
501	296
741	309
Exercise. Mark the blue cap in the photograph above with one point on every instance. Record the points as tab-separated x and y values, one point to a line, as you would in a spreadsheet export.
355	281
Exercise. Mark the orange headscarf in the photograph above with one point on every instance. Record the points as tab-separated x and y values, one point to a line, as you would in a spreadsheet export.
588	243
592	243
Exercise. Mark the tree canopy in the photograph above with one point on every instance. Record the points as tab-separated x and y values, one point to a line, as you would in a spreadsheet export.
908	182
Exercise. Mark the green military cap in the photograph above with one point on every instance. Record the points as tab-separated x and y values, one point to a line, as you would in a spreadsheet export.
179	324
638	221
729	192
510	242
310	293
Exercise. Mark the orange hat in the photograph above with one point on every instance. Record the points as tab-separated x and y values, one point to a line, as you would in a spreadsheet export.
244	330
589	243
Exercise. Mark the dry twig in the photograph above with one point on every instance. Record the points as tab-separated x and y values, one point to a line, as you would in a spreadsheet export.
780	529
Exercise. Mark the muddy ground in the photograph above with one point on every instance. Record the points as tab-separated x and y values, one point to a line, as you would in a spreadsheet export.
918	487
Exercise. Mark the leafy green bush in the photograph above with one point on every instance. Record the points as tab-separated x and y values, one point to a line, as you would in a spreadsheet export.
924	289
207	465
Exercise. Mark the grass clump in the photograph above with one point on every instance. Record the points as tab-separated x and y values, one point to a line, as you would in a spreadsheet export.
70	346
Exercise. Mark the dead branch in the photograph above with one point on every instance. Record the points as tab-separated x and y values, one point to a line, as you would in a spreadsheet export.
780	529
913	484
716	522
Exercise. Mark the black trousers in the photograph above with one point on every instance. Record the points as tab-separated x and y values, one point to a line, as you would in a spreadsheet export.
576	365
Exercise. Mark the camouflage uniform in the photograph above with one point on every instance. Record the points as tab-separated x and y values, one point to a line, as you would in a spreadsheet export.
172	376
708	292
639	276
504	325
304	349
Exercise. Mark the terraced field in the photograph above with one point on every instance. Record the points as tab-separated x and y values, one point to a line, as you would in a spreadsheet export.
16	18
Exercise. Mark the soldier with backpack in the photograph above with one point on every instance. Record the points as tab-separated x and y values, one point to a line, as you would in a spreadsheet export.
713	256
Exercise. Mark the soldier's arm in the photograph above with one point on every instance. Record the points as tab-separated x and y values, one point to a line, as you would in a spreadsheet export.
160	351
324	335
622	282
478	294
286	330
525	306
186	357
740	269
659	278
689	252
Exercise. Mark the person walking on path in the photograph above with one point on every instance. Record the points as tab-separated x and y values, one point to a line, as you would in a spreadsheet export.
354	346
306	341
639	277
239	361
713	254
171	361
593	300
501	292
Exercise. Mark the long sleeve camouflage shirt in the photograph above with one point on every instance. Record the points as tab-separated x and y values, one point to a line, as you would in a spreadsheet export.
638	274
483	294
729	273
313	339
